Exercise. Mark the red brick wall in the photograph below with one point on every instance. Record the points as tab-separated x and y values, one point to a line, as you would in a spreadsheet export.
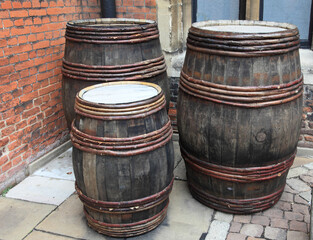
31	50
306	137
142	9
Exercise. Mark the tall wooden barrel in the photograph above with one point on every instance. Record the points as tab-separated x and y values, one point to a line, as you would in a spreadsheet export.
108	50
123	156
239	112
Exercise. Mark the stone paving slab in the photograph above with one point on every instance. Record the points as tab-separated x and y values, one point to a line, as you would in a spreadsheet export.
289	219
18	218
38	235
186	219
69	220
42	190
60	167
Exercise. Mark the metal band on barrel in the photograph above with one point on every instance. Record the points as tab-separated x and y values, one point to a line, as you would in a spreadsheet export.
125	207
249	97
240	175
123	150
237	206
127	229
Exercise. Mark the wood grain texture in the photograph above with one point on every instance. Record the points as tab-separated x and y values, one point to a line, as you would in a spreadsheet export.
124	180
238	138
108	54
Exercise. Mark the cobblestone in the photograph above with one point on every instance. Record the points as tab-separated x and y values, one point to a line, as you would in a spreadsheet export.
306	195
295	183
287	197
290	190
279	223
299	199
298	226
262	220
235	227
253	230
272	212
218	230
275	233
293	235
294	172
236	236
242	218
307	178
288	219
301	208
294	216
224	217
285	206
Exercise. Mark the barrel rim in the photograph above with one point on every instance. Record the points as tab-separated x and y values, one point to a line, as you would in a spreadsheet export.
113	23
80	94
286	26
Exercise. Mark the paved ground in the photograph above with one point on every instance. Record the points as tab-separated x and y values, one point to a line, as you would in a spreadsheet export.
45	206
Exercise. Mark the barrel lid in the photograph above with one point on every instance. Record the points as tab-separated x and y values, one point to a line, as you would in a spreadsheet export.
119	92
240	26
110	22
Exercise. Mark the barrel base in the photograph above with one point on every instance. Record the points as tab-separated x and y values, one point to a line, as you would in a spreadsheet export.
236	206
126	230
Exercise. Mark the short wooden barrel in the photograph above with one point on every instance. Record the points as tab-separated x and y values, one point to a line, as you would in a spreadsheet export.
123	156
239	112
108	50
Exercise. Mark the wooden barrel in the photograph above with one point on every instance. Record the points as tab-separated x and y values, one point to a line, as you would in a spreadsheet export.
239	112
107	50
123	156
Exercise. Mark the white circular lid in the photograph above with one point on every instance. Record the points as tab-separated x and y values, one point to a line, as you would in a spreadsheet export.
119	93
243	28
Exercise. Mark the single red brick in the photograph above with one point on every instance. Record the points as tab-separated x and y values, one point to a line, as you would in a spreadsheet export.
12	41
4	61
19	22
27	4
29	96
4	141
4	71
40	36
7	23
37	12
13	120
22	39
6	97
20	30
3	160
8	130
14	145
42	44
24	65
18	13
298	226
151	3
6	5
308	138
21	125
28	22
6	166
17	5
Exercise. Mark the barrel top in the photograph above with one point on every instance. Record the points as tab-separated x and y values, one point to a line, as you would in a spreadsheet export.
119	93
239	26
110	22
243	29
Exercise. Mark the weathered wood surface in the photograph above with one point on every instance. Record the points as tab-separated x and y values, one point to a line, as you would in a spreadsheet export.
110	50
239	126
123	167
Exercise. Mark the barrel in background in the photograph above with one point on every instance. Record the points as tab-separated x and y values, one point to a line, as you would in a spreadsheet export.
109	50
239	112
123	157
